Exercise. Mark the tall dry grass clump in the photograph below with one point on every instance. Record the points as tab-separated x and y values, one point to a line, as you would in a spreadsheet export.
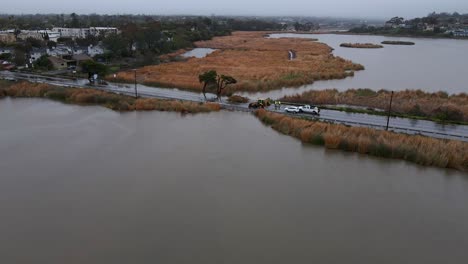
258	63
110	100
439	105
148	104
418	149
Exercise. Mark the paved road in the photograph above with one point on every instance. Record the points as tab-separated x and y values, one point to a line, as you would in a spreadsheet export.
405	125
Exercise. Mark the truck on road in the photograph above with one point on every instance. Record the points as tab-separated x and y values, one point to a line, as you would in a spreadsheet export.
309	110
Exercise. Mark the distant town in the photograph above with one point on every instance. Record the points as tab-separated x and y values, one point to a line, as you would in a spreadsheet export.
446	25
102	44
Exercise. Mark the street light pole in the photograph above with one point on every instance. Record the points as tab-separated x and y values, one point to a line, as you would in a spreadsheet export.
136	91
389	111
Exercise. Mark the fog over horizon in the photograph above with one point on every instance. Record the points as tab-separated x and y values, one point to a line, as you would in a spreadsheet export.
332	8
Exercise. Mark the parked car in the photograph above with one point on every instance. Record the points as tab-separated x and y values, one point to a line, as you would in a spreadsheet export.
292	109
11	79
314	110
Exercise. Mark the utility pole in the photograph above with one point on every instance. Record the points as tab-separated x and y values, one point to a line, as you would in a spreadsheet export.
389	111
136	91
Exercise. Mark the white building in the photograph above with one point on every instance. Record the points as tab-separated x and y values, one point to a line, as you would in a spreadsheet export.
60	50
39	34
460	33
95	50
35	34
102	31
84	32
53	36
71	32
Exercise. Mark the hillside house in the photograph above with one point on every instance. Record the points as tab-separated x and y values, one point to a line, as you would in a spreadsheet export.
7	38
61	64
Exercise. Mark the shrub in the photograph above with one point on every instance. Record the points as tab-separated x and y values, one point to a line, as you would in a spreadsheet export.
361	45
389	42
238	99
448	113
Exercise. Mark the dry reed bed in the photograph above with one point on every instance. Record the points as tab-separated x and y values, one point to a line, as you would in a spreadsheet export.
236	99
390	42
437	105
258	63
106	99
418	149
361	45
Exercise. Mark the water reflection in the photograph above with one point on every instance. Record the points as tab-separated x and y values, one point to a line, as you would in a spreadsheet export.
210	188
198	53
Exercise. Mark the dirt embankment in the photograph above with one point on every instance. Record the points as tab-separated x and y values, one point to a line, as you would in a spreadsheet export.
258	63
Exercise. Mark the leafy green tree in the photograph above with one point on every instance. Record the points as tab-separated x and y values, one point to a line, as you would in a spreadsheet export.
150	37
207	78
75	21
130	33
117	45
19	57
5	56
36	43
44	63
51	44
219	81
92	67
223	81
89	40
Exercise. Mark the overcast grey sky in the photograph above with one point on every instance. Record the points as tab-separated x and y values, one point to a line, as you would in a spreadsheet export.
339	8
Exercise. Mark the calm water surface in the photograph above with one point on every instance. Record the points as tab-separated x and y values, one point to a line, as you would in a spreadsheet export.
88	185
430	65
198	52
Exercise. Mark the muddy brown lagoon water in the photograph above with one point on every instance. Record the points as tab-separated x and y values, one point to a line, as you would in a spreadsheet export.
88	185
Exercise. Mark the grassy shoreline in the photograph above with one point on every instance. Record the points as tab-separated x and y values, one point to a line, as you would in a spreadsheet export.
413	148
439	106
116	102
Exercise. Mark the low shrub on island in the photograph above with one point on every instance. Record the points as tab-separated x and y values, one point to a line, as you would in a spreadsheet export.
437	106
418	149
391	42
97	97
236	99
361	45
